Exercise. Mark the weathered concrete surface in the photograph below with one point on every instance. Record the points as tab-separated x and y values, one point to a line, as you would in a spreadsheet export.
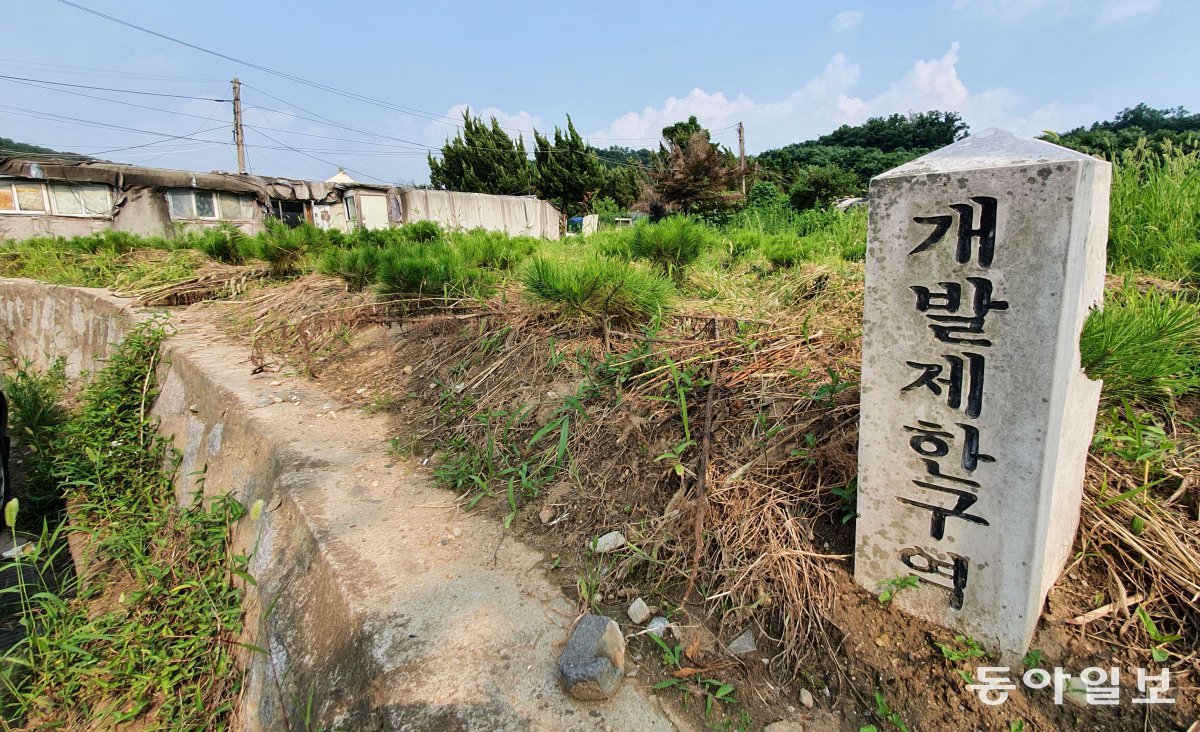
984	259
389	609
42	322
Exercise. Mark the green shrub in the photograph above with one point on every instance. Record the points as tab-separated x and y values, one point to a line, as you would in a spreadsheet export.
431	270
420	231
598	289
1145	346
224	243
671	245
1155	222
492	249
358	266
284	248
613	242
35	401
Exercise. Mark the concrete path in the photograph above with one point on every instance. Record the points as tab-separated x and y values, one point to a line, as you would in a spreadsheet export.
393	610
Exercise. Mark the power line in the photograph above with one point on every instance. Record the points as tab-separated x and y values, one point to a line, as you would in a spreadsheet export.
38	85
320	160
291	77
432	116
89	71
110	89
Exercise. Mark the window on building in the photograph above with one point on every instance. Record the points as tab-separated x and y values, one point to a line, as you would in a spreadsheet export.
62	199
206	208
292	213
30	196
351	211
80	199
189	203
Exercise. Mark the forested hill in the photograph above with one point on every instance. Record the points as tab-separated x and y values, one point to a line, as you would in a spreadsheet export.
11	147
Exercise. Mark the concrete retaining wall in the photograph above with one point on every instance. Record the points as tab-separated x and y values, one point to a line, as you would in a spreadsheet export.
389	609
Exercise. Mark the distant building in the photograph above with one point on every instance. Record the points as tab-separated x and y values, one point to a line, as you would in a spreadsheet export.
73	198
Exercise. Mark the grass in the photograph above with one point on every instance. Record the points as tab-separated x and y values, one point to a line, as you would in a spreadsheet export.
598	289
1155	225
1144	345
671	245
148	637
36	416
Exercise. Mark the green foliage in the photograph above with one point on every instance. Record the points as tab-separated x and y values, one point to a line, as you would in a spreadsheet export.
284	248
174	628
1155	223
622	183
671	245
866	150
430	270
918	131
606	209
418	231
10	146
963	648
34	399
483	159
1133	127
567	170
223	243
1158	639
817	187
891	587
691	177
1145	345
357	266
884	711
598	289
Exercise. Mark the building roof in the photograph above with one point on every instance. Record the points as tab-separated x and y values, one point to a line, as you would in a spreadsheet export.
123	176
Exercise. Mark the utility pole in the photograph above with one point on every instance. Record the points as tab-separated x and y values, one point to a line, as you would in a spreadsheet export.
239	135
741	151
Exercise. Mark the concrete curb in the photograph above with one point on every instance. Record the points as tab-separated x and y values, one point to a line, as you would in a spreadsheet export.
389	609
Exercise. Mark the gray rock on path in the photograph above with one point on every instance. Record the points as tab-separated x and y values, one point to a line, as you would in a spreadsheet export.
658	626
638	611
744	643
592	665
611	541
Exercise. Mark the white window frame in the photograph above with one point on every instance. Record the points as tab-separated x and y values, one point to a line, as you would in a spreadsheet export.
48	192
49	204
216	199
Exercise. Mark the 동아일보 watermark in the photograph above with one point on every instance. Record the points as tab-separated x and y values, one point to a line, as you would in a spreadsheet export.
1098	685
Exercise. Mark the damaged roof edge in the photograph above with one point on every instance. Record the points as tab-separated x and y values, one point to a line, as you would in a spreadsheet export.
122	176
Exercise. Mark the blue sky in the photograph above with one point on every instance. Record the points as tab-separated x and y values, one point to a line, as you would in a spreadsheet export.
623	70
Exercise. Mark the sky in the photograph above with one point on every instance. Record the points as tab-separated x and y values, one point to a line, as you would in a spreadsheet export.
372	87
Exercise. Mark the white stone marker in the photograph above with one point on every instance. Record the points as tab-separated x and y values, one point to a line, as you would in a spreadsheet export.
984	259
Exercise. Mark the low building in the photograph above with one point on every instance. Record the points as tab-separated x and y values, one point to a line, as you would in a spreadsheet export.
74	198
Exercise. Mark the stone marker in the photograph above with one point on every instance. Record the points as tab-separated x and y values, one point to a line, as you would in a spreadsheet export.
984	259
592	665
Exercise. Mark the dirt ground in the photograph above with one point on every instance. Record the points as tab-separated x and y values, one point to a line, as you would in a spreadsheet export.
861	662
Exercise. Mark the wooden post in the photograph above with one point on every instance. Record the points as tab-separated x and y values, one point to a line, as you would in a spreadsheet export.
239	135
742	154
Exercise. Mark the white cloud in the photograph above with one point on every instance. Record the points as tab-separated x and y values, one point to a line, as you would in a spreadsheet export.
828	100
511	122
1114	11
805	112
846	20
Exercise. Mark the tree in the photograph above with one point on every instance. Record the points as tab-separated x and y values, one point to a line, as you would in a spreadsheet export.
820	186
679	134
482	158
568	171
691	178
1123	132
622	184
923	131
